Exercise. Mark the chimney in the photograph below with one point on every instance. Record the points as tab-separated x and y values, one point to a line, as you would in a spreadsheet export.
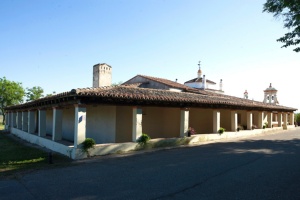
221	85
204	82
102	75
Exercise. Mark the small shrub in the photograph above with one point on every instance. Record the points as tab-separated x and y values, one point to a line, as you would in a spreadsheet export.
264	126
191	131
240	128
87	144
143	139
221	130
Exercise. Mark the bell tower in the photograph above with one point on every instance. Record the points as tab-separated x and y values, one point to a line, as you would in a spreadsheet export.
102	74
270	95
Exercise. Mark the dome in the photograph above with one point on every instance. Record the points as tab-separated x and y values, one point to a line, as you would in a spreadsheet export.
270	88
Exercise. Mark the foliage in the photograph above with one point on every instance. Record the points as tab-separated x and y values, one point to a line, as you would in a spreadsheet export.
191	131
221	130
87	144
266	124
34	93
171	142
240	127
143	139
297	117
11	93
290	11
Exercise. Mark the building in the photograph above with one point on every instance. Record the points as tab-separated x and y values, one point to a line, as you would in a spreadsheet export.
114	115
202	83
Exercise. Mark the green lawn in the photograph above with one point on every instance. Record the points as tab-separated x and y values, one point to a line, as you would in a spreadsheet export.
16	158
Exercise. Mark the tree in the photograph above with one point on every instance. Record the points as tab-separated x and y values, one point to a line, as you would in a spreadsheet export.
290	11
297	118
11	93
34	93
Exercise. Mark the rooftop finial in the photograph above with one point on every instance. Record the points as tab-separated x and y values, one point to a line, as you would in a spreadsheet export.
199	73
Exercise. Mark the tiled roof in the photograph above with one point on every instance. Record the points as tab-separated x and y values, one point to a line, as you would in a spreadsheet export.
167	82
129	95
199	80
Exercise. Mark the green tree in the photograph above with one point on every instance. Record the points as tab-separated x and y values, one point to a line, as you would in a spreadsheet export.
11	93
297	117
290	11
34	93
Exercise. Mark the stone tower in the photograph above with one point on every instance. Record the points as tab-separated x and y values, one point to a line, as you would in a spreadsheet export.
102	75
270	95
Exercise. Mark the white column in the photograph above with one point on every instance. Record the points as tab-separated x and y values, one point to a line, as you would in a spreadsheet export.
19	122
14	119
284	120
216	121
6	121
260	116
31	121
57	124
25	121
79	125
292	120
249	120
184	122
42	123
234	121
270	119
279	119
11	120
136	123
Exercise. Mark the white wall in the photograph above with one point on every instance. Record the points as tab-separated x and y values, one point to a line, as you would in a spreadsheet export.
49	122
225	119
159	122
124	124
101	123
68	117
201	120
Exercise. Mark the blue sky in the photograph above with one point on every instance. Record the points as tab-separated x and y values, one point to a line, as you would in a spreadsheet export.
54	44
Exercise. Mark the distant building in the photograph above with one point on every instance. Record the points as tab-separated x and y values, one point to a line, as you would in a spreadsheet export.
202	83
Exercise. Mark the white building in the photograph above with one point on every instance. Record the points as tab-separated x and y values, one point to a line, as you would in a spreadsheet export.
115	116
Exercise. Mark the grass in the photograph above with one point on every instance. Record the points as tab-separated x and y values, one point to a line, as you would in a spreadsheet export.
171	142
17	158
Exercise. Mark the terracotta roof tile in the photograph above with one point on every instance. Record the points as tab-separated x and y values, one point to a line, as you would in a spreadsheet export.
145	96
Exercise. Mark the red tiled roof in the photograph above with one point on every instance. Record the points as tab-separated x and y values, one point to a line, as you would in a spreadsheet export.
167	82
129	95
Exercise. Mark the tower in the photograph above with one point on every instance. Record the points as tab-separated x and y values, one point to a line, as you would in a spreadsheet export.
270	95
102	75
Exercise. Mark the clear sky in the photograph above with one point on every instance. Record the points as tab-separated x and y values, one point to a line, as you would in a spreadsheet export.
55	43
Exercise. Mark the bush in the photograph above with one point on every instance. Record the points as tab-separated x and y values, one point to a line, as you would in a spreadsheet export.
143	139
191	131
87	144
221	130
240	128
